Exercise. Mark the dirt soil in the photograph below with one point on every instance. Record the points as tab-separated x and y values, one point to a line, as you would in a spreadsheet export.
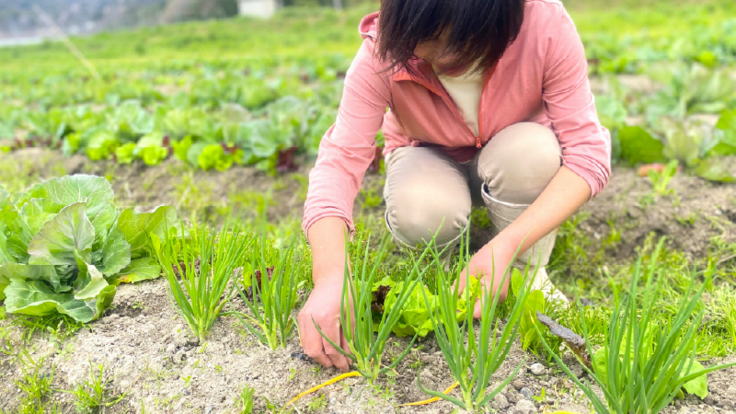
148	353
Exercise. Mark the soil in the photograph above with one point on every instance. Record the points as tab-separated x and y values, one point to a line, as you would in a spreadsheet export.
147	352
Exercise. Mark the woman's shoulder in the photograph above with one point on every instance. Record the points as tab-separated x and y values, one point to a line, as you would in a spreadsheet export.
544	23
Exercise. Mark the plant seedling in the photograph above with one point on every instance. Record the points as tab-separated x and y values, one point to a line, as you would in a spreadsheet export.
472	360
365	339
208	263
92	395
273	296
644	365
245	400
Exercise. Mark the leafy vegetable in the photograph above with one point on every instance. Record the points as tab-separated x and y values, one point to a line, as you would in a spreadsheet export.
637	145
61	249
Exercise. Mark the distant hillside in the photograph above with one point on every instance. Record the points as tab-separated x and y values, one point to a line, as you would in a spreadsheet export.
18	19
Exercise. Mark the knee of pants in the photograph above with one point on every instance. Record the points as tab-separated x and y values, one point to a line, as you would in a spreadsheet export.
518	163
415	221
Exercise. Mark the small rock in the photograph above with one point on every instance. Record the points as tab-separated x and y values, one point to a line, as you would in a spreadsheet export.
577	370
500	402
171	349
208	409
527	393
427	373
333	401
537	369
524	407
178	357
518	384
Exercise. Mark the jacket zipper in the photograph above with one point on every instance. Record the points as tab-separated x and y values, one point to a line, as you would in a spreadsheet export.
448	102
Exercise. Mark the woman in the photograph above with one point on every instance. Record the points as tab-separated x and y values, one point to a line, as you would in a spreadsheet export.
488	104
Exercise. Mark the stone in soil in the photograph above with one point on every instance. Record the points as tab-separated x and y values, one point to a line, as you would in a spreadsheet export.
537	369
524	407
527	393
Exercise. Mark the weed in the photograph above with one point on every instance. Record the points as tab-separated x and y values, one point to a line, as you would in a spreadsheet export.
92	395
245	400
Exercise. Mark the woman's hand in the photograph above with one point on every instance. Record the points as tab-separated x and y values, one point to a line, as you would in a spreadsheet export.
323	308
488	266
327	237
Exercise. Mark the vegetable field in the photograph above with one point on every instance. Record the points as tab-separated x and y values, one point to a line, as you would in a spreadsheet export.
152	259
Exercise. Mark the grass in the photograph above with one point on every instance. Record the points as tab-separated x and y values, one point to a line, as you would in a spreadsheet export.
93	395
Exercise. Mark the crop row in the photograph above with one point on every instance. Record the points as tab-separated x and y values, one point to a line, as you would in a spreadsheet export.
64	246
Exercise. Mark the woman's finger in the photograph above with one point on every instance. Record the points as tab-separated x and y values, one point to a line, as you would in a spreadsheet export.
338	360
312	343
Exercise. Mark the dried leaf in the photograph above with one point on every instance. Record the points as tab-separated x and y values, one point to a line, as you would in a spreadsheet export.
575	342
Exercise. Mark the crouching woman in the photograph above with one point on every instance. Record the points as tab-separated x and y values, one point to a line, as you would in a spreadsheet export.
488	105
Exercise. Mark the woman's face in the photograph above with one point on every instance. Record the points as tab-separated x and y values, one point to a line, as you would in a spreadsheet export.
433	52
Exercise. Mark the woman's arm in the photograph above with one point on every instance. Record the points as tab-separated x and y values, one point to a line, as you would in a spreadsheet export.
586	154
345	152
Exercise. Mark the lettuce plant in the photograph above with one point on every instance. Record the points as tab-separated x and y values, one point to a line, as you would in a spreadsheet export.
366	339
643	366
62	248
272	277
474	359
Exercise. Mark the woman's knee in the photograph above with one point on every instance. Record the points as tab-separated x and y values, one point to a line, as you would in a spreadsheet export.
418	216
518	163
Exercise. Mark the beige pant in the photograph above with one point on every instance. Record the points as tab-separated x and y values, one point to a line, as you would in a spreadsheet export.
425	187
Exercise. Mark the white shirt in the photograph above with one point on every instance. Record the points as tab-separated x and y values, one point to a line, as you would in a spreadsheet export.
465	92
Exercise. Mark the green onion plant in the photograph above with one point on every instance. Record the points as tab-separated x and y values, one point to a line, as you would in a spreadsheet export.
272	300
473	360
644	365
365	338
199	268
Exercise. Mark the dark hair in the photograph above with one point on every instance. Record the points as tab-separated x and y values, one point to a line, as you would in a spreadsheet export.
478	29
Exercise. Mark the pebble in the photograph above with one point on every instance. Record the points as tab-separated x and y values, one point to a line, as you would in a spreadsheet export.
500	402
524	407
333	401
537	369
170	349
208	409
527	393
518	384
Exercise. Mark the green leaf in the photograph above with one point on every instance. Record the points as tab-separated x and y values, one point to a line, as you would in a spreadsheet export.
46	273
59	238
145	268
684	141
699	385
135	225
714	169
35	298
611	112
89	282
638	146
125	154
115	253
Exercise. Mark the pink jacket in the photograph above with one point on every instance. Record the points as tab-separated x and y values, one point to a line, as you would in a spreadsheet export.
542	78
